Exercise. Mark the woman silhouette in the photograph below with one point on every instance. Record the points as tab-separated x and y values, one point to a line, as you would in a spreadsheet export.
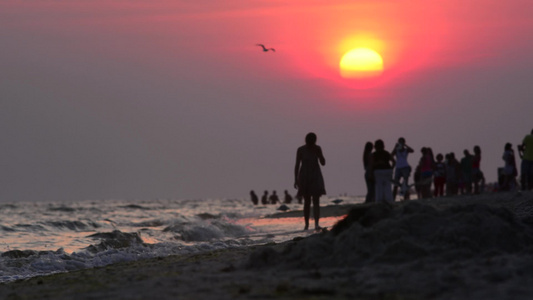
308	177
369	177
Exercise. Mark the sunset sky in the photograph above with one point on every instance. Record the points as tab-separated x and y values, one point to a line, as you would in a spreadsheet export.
173	99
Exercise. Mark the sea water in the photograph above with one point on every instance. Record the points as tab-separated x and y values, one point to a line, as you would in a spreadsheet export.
45	238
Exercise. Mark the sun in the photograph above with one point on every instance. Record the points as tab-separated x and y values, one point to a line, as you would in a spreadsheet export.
361	63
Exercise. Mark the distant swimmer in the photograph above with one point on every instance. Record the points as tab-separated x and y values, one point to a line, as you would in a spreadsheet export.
255	199
288	197
265	49
273	198
264	198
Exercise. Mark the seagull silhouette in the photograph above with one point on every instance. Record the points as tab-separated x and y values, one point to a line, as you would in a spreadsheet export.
265	49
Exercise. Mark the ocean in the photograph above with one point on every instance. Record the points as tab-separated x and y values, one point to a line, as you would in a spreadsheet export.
44	238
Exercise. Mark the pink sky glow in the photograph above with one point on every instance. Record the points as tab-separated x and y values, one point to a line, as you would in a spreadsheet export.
148	99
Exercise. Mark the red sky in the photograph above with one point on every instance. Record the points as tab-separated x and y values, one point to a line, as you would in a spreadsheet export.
174	98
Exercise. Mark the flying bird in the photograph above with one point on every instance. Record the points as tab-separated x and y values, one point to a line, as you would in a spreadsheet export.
265	49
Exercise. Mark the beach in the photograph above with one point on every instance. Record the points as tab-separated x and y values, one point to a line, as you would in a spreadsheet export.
465	247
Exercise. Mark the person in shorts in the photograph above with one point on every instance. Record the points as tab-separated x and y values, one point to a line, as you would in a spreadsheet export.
403	169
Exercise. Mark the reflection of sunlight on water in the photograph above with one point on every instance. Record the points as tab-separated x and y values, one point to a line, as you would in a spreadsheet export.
51	226
169	226
71	242
148	239
283	229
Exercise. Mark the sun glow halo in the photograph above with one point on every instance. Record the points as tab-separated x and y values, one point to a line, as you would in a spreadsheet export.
361	62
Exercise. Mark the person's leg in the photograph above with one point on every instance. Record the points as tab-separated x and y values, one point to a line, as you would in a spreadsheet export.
505	182
406	173
397	178
307	204
370	188
426	186
506	185
316	210
523	174
387	186
477	181
530	174
378	186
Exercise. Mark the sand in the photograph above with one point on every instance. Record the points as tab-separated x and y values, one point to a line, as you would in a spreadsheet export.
471	247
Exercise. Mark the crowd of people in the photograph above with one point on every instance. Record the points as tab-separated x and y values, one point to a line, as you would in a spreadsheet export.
272	198
448	175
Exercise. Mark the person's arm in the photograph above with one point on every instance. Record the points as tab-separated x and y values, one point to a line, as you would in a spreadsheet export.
297	168
393	161
409	149
321	158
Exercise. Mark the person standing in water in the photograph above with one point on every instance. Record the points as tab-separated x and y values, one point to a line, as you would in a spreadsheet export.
264	198
308	177
274	198
288	197
255	199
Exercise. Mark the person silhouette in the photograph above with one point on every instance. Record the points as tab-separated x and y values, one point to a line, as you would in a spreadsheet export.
439	176
509	170
369	177
477	175
466	171
403	169
308	177
525	150
264	198
254	198
382	164
273	198
288	198
427	165
452	174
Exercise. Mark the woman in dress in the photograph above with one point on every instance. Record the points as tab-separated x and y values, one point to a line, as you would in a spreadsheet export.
308	177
